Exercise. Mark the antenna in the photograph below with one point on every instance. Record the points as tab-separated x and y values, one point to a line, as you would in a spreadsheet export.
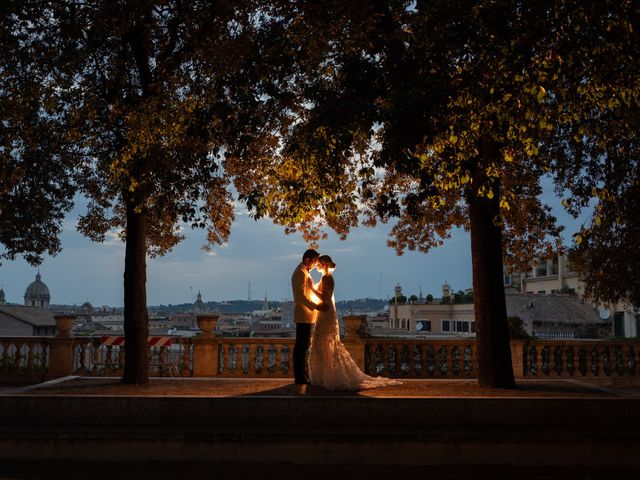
249	292
380	286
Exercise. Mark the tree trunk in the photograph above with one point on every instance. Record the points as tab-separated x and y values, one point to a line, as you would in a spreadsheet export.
136	321
492	329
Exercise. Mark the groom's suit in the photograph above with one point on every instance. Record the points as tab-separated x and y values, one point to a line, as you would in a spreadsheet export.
304	315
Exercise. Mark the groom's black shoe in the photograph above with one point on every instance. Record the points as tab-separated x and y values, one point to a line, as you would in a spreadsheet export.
302	382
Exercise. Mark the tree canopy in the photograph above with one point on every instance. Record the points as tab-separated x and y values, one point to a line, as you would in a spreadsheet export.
36	174
444	114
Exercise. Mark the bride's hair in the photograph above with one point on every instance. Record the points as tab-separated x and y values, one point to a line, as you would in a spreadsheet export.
327	261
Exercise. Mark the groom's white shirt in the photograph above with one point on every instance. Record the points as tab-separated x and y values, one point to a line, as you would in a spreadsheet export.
302	285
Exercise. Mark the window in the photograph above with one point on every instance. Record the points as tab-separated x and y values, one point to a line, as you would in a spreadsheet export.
541	269
423	325
446	326
473	327
462	326
541	291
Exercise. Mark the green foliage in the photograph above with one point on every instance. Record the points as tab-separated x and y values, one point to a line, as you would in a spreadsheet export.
463	297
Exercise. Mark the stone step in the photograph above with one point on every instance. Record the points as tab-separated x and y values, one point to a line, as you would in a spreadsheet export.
336	430
303	412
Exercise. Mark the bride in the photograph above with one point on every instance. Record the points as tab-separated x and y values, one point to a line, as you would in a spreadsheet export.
330	364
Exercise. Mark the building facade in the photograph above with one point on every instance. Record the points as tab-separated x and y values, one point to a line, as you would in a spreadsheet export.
555	275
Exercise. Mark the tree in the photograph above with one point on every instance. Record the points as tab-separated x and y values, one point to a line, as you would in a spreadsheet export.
36	181
158	96
413	298
596	149
441	115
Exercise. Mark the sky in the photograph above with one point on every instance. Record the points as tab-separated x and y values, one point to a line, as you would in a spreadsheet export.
258	253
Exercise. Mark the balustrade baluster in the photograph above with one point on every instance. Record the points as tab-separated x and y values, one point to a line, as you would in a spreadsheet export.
222	353
570	356
417	360
45	358
95	346
29	365
272	364
277	358
631	363
455	360
558	366
606	361
252	359
404	359
108	364
378	359
18	357
392	359
582	360
5	357
618	359
545	361
245	362
443	362
259	363
468	360
595	361
120	364
285	359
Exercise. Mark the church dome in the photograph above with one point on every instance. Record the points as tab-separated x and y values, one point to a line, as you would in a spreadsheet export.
37	293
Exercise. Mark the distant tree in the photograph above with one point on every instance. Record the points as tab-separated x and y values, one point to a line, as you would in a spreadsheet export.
157	96
429	298
516	328
413	298
441	115
462	297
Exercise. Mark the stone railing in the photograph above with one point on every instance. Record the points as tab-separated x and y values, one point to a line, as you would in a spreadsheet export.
33	359
97	356
578	358
424	358
24	358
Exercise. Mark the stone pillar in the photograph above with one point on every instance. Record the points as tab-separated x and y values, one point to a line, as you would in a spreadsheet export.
517	360
206	348
353	342
61	348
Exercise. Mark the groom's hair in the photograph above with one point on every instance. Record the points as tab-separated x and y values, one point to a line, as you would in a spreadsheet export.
311	254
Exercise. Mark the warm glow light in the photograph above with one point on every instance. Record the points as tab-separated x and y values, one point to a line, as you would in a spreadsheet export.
313	297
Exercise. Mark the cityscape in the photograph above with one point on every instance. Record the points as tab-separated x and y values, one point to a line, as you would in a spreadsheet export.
546	302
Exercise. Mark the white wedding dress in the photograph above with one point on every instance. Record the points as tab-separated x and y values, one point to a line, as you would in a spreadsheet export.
330	364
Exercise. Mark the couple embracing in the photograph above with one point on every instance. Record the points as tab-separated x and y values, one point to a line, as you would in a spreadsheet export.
319	357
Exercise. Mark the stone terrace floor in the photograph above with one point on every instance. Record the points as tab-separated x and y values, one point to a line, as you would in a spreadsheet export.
602	387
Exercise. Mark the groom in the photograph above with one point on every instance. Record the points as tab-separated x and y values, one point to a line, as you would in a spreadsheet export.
304	313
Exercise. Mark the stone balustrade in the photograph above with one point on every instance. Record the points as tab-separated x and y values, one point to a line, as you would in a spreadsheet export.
579	358
33	359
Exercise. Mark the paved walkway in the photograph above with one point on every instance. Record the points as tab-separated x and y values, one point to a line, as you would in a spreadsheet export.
616	387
